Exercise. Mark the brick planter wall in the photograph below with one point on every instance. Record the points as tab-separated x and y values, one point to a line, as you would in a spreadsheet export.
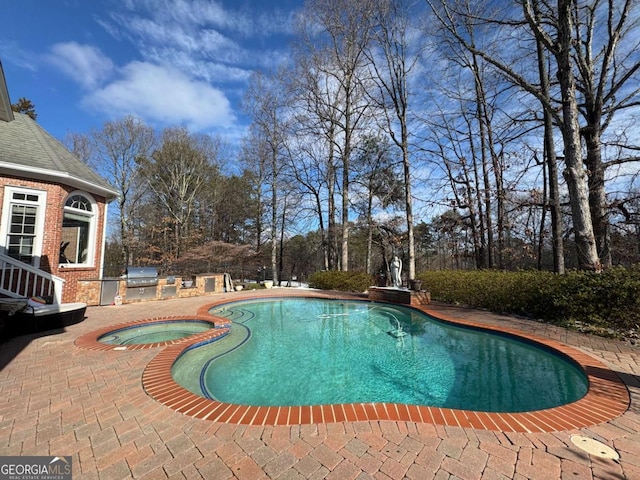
404	297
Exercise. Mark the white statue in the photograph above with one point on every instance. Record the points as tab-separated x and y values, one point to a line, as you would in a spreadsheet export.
396	272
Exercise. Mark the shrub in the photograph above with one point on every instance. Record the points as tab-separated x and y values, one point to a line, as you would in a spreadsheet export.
341	281
610	299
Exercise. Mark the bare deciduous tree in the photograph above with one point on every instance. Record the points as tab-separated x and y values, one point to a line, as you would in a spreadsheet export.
119	148
176	173
550	162
265	100
81	146
317	133
345	29
254	156
392	72
556	34
605	48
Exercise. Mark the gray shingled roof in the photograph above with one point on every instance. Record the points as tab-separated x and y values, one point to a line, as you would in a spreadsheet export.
27	150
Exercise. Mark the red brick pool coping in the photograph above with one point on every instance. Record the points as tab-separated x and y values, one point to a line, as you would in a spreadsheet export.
607	396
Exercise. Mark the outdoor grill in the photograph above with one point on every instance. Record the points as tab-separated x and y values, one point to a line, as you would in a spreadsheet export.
142	282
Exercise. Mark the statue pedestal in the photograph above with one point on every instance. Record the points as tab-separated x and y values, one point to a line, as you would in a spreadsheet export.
399	295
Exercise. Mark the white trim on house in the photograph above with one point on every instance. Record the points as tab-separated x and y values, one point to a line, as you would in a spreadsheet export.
41	204
64	178
105	216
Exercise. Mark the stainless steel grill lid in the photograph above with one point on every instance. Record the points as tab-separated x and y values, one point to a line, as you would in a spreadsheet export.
142	276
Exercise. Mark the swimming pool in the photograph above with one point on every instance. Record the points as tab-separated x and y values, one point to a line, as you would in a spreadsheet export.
295	351
154	332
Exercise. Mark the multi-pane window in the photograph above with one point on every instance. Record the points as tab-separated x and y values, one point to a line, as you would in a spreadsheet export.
22	231
77	231
21	224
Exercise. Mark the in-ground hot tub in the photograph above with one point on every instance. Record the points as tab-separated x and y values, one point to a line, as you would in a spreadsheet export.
156	332
153	333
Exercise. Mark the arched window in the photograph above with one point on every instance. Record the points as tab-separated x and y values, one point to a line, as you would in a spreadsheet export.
78	230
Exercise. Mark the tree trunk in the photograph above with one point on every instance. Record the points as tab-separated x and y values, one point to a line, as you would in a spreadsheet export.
554	199
543	215
346	167
344	264
369	231
501	220
408	201
574	174
597	194
274	219
480	235
552	165
281	249
331	221
482	134
124	232
323	233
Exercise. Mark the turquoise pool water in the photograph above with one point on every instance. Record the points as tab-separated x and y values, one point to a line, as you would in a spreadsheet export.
154	332
296	351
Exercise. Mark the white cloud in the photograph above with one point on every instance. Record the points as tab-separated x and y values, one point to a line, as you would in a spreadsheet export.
207	14
11	51
154	34
162	95
203	29
191	59
85	64
213	72
158	93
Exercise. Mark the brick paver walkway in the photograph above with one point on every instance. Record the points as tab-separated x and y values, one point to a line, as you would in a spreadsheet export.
57	399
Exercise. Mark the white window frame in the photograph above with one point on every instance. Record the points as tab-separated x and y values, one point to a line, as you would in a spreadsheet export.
92	217
40	204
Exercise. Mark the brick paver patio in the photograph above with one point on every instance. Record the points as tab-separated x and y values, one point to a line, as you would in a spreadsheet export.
58	399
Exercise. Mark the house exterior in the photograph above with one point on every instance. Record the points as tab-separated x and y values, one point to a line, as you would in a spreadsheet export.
53	209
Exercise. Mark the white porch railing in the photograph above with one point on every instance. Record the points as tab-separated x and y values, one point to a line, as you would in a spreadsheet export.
19	280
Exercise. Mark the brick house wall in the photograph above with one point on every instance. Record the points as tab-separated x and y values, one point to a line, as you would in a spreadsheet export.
49	262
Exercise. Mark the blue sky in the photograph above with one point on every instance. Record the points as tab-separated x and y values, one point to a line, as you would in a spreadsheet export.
168	62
